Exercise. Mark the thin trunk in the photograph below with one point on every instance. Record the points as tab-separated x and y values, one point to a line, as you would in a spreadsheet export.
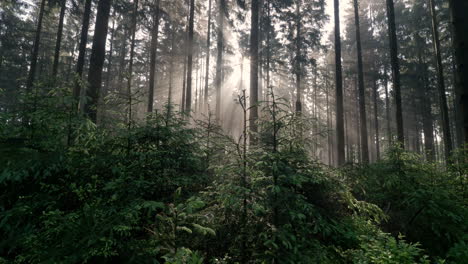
208	53
96	63
111	53
362	92
130	64
154	46
298	58
268	61
253	114
219	60
395	71
188	95
428	126
82	48
376	121
35	50
340	146
441	84
171	69
58	41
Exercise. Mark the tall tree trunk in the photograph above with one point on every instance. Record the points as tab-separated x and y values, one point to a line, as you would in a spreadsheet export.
376	121
298	58
441	85
268	60
340	144
171	68
154	46
219	60
35	50
426	104
111	54
82	47
58	41
460	39
208	53
362	92
188	95
130	63
395	71
96	63
253	114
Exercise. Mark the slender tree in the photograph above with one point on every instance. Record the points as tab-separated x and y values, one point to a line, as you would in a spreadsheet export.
340	141
362	91
219	59
253	114
58	41
82	47
395	70
96	63
298	58
376	120
441	84
154	45
130	64
35	50
208	53
188	95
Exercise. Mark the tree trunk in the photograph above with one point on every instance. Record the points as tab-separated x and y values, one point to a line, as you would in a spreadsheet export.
58	41
460	27
208	53
253	114
154	46
96	63
188	95
395	71
35	50
428	126
340	146
111	53
441	85
298	58
219	60
130	64
376	121
362	92
82	47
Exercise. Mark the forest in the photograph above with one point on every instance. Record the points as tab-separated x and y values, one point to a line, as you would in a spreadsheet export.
234	131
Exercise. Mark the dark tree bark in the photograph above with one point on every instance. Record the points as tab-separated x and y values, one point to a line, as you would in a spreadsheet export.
298	59
460	40
426	103
441	85
82	47
340	144
387	107
362	92
188	95
219	59
35	50
96	63
376	121
395	71
253	114
208	53
130	63
111	55
268	50
58	41
154	46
